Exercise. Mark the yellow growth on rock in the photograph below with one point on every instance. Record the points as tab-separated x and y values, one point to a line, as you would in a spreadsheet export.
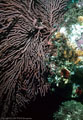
79	52
58	35
80	18
77	61
73	55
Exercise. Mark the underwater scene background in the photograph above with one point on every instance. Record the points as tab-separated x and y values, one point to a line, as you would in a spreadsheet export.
41	59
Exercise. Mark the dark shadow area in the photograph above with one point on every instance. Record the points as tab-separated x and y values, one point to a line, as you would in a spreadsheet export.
44	107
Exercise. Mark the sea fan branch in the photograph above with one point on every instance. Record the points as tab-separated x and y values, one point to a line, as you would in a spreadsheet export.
25	26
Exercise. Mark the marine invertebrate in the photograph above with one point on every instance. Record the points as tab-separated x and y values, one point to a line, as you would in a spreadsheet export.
69	110
80	18
25	26
77	90
65	73
66	58
62	60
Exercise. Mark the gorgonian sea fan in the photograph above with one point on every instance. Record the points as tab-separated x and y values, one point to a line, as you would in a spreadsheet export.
25	26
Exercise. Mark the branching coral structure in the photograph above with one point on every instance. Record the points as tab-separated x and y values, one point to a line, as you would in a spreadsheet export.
70	110
25	27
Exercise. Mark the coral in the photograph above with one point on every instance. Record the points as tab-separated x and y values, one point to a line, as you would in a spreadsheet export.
25	27
65	73
66	48
62	60
77	90
69	110
72	16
